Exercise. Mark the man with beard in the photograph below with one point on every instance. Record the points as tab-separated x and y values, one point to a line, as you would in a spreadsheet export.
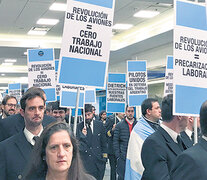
58	112
9	104
15	123
93	144
121	138
15	151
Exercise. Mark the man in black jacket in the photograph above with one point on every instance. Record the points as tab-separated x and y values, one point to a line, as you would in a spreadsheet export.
121	139
111	123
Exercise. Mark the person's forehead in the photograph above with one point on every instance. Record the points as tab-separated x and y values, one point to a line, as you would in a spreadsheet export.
11	100
155	104
130	108
35	100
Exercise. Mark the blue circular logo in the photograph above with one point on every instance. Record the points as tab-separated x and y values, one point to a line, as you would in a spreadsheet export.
40	53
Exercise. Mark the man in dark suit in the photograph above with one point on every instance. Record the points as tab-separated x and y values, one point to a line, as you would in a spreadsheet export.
15	123
191	164
93	144
161	148
110	127
15	151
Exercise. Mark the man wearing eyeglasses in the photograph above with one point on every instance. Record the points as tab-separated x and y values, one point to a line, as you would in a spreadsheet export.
58	112
121	138
9	104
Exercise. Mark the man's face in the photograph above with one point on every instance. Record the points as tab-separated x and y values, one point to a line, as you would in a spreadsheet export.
130	113
34	112
10	107
88	116
154	114
103	116
58	114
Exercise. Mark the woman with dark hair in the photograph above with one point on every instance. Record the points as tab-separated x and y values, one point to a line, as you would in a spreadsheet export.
56	156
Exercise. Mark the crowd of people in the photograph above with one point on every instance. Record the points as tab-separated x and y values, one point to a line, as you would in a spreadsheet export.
37	142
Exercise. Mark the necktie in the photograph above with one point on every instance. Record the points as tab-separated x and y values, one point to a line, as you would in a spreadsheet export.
89	134
180	143
36	138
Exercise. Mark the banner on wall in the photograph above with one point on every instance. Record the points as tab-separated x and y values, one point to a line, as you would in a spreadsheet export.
168	88
14	89
190	54
116	93
137	90
41	71
85	48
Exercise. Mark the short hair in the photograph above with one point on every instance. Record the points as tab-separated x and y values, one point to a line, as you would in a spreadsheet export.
88	108
203	118
100	114
38	166
127	106
32	93
147	104
167	108
56	106
6	98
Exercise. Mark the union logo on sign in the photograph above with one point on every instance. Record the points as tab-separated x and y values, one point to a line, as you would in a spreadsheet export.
40	53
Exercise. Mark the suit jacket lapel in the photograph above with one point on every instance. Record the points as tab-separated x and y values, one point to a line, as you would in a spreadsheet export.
169	141
23	145
203	143
186	140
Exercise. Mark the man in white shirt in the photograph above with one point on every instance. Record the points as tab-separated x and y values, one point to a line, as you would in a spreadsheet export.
15	151
161	148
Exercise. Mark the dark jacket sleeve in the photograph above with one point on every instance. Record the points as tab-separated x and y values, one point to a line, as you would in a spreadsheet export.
116	142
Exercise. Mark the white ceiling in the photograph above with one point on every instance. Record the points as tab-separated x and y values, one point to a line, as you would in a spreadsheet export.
17	17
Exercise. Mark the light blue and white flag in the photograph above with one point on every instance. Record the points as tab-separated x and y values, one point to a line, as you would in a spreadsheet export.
134	167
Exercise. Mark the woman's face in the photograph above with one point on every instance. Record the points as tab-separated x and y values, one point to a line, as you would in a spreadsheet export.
59	152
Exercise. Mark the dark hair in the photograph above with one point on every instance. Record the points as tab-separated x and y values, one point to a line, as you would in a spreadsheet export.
167	108
56	106
203	118
100	114
147	104
88	108
30	94
127	106
38	166
6	98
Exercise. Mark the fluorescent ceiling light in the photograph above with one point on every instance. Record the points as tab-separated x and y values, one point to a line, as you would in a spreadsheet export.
10	60
40	33
7	64
25	53
58	7
122	26
146	14
2	74
48	21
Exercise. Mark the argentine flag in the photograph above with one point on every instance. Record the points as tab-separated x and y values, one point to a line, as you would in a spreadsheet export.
134	167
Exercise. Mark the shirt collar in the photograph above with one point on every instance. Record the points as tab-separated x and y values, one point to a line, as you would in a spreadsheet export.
150	120
29	136
188	132
171	133
92	125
